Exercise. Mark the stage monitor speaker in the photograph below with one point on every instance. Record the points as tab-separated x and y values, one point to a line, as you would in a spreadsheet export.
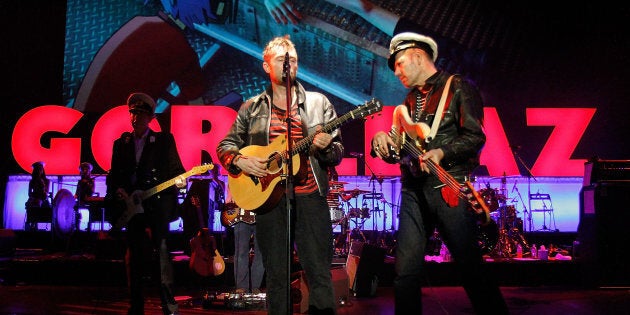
300	291
364	263
603	234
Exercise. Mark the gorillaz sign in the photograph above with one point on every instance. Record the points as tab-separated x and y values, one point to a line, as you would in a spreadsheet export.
63	154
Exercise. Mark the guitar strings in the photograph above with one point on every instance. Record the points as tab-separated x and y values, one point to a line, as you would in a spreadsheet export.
444	176
362	111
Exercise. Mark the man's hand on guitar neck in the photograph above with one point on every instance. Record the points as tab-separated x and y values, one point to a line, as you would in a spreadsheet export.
381	144
251	165
180	182
321	140
435	155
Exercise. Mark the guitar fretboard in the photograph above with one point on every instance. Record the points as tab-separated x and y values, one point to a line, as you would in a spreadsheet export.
362	111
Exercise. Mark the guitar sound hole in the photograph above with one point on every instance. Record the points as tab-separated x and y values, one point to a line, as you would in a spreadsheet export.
275	163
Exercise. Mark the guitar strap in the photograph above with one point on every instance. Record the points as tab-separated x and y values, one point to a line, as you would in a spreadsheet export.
439	111
449	196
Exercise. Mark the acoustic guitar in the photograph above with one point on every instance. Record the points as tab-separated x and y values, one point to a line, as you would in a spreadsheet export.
253	193
410	136
205	258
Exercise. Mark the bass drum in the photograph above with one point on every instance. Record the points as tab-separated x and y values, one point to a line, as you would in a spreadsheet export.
488	236
63	213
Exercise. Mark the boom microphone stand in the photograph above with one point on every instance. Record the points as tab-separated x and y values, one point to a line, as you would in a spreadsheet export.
290	193
526	212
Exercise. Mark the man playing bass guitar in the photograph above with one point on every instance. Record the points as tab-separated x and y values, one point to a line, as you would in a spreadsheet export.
428	199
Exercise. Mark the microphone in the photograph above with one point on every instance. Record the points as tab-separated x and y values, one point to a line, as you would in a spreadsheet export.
356	154
286	68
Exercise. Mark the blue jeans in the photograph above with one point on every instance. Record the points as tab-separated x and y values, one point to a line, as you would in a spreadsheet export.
313	236
243	272
422	208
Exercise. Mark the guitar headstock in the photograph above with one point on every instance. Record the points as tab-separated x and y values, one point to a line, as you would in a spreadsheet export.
197	170
368	108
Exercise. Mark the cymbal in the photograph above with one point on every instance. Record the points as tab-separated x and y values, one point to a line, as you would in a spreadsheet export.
506	176
355	191
335	183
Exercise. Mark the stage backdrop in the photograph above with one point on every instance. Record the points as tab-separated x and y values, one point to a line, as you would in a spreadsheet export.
553	77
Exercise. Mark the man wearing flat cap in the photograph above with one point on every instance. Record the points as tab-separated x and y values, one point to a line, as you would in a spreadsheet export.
143	159
454	143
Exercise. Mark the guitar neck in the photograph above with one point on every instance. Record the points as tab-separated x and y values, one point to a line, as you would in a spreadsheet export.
304	144
444	176
158	188
369	108
465	191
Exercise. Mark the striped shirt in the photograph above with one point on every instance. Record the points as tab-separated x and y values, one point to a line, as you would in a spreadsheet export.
303	186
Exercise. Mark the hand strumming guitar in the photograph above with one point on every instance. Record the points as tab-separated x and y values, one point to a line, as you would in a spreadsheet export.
252	165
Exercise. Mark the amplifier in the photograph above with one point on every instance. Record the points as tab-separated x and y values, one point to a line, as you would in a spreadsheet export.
596	170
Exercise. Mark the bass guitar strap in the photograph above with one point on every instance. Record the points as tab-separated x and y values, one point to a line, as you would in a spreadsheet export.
438	113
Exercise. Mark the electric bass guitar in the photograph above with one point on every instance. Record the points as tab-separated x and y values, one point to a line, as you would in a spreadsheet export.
133	202
410	136
253	193
232	214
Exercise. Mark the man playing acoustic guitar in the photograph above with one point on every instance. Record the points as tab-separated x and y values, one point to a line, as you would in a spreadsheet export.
261	122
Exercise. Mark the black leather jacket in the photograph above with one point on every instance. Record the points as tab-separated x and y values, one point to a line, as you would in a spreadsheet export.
460	134
251	127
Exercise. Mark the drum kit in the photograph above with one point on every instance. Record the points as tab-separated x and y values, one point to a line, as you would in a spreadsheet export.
504	233
336	195
344	210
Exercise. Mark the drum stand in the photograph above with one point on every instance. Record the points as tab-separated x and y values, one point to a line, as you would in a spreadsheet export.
509	235
345	236
376	199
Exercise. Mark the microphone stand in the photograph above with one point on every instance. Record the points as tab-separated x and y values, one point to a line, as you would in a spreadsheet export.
374	196
289	191
527	212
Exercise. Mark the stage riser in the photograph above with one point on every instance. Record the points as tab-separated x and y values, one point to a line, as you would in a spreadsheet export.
106	267
47	241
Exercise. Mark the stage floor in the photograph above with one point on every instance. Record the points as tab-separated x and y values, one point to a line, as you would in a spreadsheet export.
88	277
103	300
